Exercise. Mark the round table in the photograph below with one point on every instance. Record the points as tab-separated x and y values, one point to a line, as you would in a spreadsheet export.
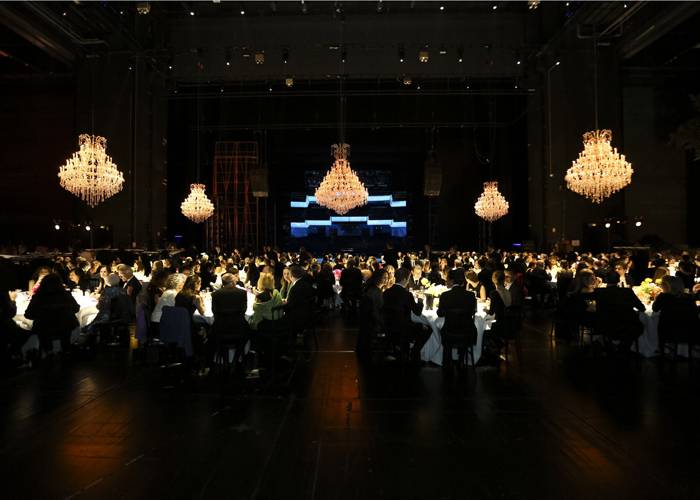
87	312
432	350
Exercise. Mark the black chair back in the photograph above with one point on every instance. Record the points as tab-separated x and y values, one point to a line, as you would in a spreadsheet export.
121	309
679	322
459	326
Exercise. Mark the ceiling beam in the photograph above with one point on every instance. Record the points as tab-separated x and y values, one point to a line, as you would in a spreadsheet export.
657	27
28	29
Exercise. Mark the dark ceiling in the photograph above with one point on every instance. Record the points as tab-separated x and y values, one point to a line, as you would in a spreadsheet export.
45	38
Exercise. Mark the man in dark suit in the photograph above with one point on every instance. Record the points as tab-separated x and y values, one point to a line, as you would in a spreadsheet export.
458	307
414	282
398	306
229	305
351	283
625	280
132	286
300	299
617	311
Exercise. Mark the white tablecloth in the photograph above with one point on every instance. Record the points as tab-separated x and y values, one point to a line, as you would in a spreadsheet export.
649	340
88	309
209	315
142	277
432	350
85	315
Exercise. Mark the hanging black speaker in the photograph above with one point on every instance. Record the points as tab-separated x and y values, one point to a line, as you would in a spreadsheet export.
432	178
258	181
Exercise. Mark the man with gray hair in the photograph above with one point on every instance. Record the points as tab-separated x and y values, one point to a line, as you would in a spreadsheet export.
132	286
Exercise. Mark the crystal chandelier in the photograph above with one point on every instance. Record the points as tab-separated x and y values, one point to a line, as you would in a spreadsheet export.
197	206
491	204
90	174
599	170
341	190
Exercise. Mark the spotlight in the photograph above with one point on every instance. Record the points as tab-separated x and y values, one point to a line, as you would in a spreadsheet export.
442	7
380	7
402	54
407	80
242	12
65	13
57	227
557	63
343	56
624	6
423	56
418	87
269	89
494	7
289	81
191	13
260	58
443	49
638	223
518	62
221	90
303	7
607	225
228	63
88	228
285	56
460	54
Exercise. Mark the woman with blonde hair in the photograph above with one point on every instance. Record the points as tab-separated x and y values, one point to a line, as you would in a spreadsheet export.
266	299
286	282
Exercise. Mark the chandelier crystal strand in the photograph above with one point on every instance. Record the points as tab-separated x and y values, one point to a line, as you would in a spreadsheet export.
341	189
90	173
197	207
600	170
491	204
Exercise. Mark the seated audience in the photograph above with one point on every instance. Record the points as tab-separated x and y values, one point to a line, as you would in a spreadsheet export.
173	285
398	306
456	306
132	286
52	309
267	298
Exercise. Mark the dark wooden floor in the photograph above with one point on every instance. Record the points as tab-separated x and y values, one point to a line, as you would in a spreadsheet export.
563	425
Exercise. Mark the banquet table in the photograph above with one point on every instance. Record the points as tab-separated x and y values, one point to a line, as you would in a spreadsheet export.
208	316
649	340
432	350
87	312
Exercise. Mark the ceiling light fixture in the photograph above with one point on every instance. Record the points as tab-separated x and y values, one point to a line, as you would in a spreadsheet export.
599	171
341	189
90	173
491	204
197	206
